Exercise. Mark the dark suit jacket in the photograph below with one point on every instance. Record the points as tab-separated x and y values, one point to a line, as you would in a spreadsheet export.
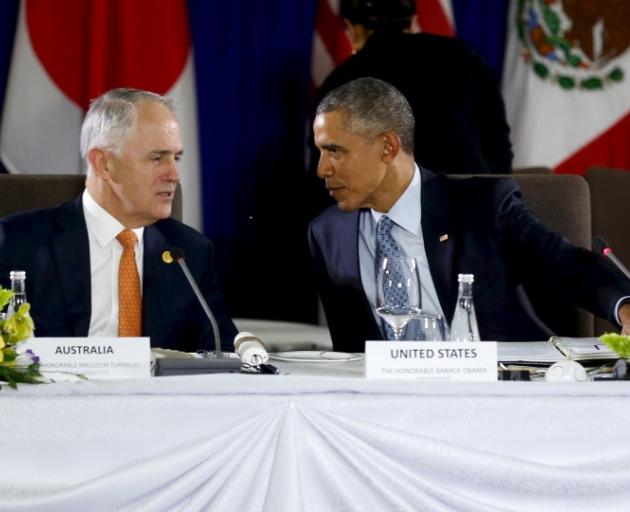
52	246
491	234
460	116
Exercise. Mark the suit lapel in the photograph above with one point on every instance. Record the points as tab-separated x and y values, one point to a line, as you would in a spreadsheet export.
71	251
439	238
156	281
347	255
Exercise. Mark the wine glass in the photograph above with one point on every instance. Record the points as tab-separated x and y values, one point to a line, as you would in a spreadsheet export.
397	292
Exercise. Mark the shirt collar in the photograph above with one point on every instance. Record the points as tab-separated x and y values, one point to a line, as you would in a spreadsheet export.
406	212
101	223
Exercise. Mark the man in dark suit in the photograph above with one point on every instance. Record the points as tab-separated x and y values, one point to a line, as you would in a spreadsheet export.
130	141
364	130
461	124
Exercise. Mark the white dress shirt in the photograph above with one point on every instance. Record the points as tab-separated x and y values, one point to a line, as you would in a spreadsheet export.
105	252
407	232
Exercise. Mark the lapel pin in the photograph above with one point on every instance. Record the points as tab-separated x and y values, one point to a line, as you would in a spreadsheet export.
444	237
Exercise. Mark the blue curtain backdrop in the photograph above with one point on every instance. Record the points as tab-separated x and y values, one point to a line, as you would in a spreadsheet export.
8	22
252	63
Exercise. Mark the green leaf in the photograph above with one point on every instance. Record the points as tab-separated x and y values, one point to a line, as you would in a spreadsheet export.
574	60
552	20
616	75
566	82
13	376
19	326
592	83
618	343
5	296
541	70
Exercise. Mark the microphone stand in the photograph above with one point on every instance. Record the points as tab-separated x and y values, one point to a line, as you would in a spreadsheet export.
602	246
217	363
213	322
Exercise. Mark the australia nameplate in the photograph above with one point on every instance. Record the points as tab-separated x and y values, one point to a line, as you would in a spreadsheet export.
440	360
95	358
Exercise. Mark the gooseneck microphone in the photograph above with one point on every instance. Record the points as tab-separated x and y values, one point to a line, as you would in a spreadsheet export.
177	254
601	246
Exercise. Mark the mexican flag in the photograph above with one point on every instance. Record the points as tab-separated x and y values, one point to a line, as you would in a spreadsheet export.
566	83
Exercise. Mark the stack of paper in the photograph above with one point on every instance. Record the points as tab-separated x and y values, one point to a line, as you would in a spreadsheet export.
528	352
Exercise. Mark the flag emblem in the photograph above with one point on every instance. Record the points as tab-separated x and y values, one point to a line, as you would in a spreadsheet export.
574	43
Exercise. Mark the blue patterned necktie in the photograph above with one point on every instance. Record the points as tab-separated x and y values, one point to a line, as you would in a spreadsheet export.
386	247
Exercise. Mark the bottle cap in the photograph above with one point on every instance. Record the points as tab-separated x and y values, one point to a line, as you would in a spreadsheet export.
465	278
17	274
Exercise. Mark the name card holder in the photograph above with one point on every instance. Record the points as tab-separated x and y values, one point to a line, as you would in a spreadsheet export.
431	361
96	358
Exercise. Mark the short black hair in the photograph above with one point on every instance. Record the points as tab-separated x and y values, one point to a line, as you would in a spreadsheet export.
394	15
371	107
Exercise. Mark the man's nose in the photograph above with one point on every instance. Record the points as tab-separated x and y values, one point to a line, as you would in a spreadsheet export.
172	171
324	169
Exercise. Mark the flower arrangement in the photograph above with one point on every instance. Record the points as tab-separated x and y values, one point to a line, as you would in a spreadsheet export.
14	328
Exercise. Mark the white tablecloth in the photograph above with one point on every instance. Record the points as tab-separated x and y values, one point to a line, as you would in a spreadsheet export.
287	443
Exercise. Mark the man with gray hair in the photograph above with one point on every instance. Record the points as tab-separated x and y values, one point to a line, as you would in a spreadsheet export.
364	131
94	265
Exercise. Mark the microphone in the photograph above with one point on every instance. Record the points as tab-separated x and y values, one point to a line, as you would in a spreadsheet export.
602	247
177	254
250	349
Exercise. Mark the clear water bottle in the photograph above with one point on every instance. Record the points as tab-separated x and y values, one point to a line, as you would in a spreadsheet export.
18	287
464	325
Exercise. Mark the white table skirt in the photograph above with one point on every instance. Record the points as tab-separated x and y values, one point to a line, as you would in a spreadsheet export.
249	443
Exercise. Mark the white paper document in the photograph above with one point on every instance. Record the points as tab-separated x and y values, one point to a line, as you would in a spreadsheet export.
583	348
538	352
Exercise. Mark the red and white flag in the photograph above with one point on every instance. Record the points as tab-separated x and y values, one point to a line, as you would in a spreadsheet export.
566	84
67	52
331	44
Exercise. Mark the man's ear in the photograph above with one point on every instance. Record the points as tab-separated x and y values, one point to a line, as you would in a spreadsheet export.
391	146
98	162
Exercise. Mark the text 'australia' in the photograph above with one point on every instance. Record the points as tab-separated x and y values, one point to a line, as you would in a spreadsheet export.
75	350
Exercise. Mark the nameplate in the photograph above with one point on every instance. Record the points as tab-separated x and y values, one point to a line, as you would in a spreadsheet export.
95	358
435	360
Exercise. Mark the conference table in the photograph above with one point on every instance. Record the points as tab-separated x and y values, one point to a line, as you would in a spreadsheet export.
315	438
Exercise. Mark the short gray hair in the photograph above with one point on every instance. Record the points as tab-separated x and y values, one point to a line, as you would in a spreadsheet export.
113	115
372	107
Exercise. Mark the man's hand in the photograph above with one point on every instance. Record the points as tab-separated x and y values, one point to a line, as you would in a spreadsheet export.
624	317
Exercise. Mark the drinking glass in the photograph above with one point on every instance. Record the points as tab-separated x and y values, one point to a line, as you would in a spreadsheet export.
427	327
397	292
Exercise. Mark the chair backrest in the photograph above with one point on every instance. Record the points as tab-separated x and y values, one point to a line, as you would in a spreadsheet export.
532	170
21	192
610	189
563	203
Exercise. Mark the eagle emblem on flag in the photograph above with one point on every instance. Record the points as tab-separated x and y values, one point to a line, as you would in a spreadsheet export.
575	44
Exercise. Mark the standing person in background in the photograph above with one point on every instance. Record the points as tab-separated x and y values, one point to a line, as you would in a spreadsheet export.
94	265
460	115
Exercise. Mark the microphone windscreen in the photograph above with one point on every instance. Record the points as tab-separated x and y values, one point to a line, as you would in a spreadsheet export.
250	349
177	253
600	244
